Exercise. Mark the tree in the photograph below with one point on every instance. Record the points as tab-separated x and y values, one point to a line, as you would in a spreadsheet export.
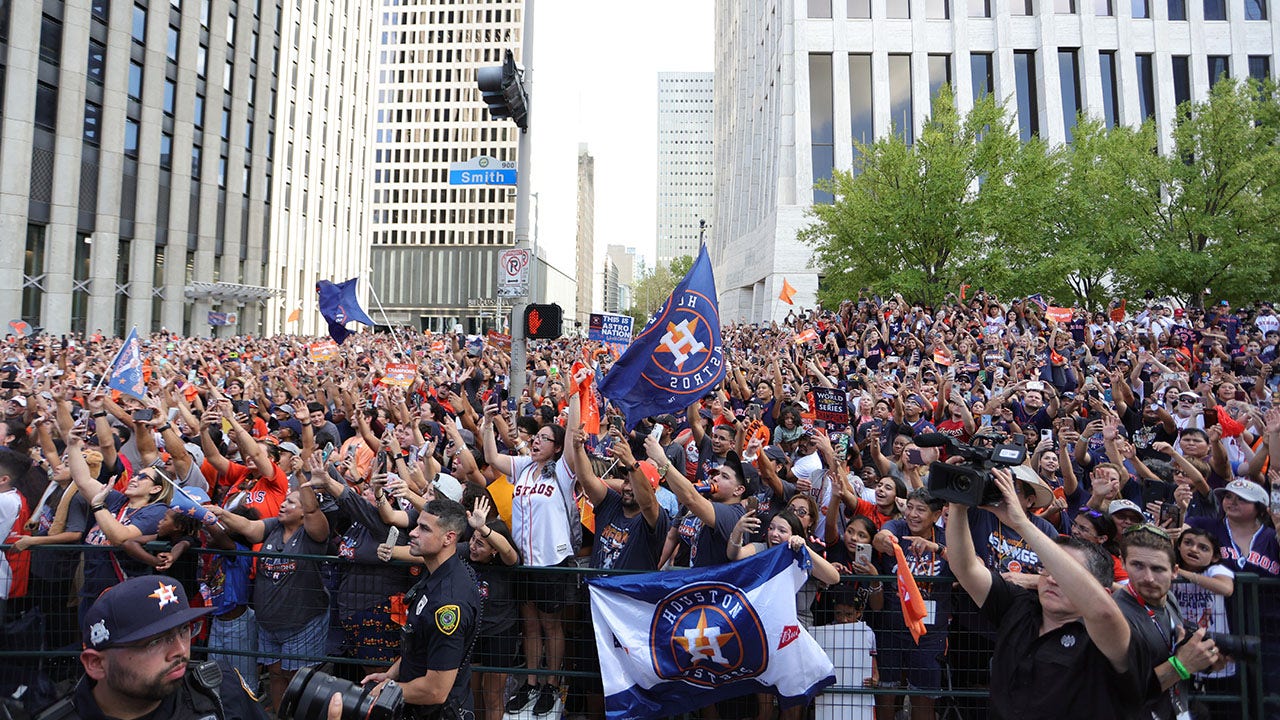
655	286
1207	214
921	219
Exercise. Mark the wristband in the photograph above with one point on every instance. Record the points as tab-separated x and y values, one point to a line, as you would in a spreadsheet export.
1179	667
96	508
100	413
635	466
164	427
488	534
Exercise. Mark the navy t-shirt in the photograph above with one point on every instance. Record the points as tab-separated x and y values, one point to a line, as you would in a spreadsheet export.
104	568
711	544
1001	548
627	543
936	595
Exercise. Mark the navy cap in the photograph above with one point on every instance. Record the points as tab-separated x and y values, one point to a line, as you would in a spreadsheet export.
136	609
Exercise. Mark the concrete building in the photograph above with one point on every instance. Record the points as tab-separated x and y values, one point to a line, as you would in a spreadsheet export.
686	171
796	82
623	259
585	245
436	245
139	142
610	285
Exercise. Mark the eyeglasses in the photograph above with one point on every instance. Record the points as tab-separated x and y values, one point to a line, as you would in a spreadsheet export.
800	511
1147	527
182	633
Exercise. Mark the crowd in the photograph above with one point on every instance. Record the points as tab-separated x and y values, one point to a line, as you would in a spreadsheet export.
1157	419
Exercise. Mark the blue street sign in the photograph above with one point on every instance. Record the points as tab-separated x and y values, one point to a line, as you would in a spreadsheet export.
482	170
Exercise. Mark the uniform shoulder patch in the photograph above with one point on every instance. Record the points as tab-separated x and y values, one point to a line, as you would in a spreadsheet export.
447	618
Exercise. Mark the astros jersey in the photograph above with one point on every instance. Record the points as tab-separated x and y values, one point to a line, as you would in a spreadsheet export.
540	512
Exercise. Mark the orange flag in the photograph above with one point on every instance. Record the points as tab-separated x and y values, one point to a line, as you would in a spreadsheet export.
589	404
1117	313
806	335
942	356
913	610
294	315
787	293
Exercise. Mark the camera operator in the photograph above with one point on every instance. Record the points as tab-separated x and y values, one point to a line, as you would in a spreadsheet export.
443	608
1158	624
1063	650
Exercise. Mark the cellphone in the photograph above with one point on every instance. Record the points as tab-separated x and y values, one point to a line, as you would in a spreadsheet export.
1210	417
1156	491
1046	435
862	554
615	421
753	503
656	432
327	451
1035	385
393	536
144	414
511	404
913	455
1170	513
240	407
1019	439
986	419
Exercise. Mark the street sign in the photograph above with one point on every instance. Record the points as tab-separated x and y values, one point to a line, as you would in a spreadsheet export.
513	273
482	170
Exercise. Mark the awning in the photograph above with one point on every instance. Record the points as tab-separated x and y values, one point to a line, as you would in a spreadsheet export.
229	292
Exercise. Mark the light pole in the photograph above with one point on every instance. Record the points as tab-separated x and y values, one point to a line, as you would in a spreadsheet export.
523	173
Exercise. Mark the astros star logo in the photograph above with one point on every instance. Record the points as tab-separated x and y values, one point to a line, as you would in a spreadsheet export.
704	642
681	341
165	594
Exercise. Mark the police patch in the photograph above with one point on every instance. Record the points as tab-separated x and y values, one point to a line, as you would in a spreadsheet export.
448	618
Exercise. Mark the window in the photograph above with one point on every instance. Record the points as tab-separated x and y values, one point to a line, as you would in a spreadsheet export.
198	118
1069	81
97	62
1141	9
32	267
1215	9
1022	7
139	24
1177	9
1218	68
50	39
1102	8
1181	79
1110	95
819	8
859	9
131	137
197	159
939	73
938	9
1146	86
166	151
101	9
46	106
225	131
1259	67
170	91
900	110
171	48
222	172
979	8
92	121
202	60
228	71
1064	7
821	121
135	80
1255	9
1024	71
862	127
981	74
897	9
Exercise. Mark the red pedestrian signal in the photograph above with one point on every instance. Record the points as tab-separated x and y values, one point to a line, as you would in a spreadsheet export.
542	322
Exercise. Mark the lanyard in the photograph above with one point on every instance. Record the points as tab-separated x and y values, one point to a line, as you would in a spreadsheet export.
1173	630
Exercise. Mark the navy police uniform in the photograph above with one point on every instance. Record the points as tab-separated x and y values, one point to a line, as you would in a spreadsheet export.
442	615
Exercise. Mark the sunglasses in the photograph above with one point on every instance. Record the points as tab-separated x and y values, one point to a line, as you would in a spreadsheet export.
1147	527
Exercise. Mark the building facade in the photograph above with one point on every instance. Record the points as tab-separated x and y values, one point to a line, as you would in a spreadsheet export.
139	141
436	245
686	168
585	243
798	81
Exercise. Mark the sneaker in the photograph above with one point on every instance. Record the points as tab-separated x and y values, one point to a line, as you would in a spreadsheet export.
548	695
525	694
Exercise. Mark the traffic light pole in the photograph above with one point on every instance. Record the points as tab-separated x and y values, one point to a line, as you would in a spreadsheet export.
519	352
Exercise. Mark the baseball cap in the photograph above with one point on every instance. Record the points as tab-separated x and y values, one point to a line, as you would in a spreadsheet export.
650	473
448	486
1123	505
286	408
667	419
1044	495
290	448
1246	490
138	608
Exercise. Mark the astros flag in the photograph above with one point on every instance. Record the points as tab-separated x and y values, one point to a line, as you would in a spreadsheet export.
677	358
671	641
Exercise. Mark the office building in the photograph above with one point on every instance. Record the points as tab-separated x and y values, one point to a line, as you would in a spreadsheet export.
686	171
585	244
436	245
621	271
139	142
796	83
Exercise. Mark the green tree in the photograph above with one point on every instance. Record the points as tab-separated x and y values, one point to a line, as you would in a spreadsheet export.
915	218
1207	214
655	286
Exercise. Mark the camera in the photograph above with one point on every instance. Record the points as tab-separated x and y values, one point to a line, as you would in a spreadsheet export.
1241	648
309	691
971	482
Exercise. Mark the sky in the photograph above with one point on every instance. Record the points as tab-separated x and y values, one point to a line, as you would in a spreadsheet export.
595	81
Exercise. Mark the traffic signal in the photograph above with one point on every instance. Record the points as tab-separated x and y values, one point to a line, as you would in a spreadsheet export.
503	89
542	322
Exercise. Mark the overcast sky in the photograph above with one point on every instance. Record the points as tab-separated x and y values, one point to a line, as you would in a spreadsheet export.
596	69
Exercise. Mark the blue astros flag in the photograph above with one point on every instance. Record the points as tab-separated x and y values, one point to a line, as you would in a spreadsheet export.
190	502
339	306
126	369
672	641
677	358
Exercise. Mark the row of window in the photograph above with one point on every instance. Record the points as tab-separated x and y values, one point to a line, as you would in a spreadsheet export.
444	237
941	9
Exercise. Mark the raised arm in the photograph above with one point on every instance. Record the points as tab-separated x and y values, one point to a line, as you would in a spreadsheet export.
501	463
965	564
685	492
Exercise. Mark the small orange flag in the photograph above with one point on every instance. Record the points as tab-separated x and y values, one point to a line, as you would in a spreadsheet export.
1117	313
294	315
589	404
913	610
942	356
787	293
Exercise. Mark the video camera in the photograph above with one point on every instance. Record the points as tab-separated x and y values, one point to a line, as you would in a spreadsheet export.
971	482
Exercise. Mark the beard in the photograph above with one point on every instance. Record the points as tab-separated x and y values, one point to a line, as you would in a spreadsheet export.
125	680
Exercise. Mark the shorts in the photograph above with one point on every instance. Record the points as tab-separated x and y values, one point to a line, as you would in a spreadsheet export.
307	640
371	634
241	635
499	650
548	590
898	658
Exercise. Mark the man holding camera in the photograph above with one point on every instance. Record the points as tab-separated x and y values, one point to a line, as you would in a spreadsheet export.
1063	650
1157	622
443	612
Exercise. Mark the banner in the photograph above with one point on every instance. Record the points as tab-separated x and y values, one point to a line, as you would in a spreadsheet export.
218	319
831	406
499	341
126	369
610	328
323	351
677	358
400	375
788	293
806	335
671	641
1058	314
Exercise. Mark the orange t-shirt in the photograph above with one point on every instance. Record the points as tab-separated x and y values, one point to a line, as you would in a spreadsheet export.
262	494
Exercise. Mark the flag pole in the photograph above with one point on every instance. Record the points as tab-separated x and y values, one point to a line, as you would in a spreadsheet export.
102	378
386	319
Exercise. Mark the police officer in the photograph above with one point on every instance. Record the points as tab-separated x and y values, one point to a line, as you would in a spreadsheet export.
137	648
443	612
